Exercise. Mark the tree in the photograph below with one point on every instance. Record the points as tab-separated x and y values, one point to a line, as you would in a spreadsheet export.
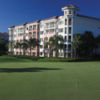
97	43
3	47
88	44
46	47
32	43
56	43
25	46
84	44
18	45
76	44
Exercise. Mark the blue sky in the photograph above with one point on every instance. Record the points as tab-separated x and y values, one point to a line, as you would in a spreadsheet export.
14	12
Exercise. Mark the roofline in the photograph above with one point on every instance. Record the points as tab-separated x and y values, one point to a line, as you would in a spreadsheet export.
55	17
89	17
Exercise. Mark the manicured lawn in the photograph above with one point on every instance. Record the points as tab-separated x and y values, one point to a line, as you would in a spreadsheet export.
27	80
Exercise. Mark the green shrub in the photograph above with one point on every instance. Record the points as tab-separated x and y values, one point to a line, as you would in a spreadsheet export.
57	59
26	57
45	59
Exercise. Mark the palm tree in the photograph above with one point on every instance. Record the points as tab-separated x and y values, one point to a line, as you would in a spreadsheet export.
56	43
47	46
76	44
25	46
32	43
88	43
18	45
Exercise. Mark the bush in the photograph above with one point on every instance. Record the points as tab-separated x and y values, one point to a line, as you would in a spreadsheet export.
45	59
58	59
33	58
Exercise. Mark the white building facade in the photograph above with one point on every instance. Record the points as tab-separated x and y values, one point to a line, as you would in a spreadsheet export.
67	25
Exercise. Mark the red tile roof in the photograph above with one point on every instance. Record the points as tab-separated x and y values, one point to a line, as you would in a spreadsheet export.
71	5
55	17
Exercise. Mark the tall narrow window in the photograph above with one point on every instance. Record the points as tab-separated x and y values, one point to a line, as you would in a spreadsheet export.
65	30
70	21
30	35
70	12
34	34
65	12
69	47
30	28
69	39
70	30
65	21
34	27
65	38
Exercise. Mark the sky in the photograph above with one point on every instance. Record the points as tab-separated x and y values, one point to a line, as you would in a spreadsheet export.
15	12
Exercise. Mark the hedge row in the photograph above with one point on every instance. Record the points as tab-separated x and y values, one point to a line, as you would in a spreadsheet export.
45	59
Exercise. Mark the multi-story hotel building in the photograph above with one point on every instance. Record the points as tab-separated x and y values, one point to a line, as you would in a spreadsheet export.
66	25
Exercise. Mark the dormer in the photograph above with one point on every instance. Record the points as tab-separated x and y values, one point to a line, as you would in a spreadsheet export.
70	10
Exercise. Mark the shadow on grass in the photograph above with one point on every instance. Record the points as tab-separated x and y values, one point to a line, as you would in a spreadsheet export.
12	70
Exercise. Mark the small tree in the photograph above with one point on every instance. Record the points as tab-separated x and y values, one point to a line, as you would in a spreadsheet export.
76	44
18	45
56	43
25	46
32	43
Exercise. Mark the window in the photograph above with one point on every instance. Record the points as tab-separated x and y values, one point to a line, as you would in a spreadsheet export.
70	12
47	25
69	39
65	47
30	28
70	21
30	35
52	24
65	38
65	12
70	30
65	21
69	47
34	27
41	32
34	34
60	30
33	53
74	12
65	30
52	31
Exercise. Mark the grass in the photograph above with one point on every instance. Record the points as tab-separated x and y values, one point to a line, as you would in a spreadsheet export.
26	80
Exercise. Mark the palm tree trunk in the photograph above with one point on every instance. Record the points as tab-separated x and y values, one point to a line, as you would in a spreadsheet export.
30	51
57	53
20	51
